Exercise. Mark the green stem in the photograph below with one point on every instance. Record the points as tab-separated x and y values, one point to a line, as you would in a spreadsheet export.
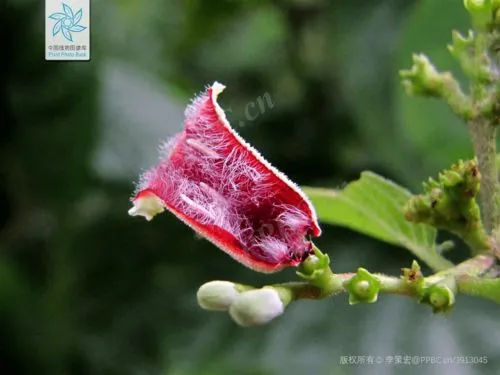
477	239
302	290
465	274
435	261
389	285
394	285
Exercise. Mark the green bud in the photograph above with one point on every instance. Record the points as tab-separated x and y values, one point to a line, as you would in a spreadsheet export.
450	203
481	12
440	297
430	184
461	46
462	49
422	79
217	295
259	306
313	263
362	287
450	178
471	177
436	194
419	208
316	270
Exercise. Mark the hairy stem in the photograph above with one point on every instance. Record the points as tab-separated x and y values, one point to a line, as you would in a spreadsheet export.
389	285
466	276
483	136
477	266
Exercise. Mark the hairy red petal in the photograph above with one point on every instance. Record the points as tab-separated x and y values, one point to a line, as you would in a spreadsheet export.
215	182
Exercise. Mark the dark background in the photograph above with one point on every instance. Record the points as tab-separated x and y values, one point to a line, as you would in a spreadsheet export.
86	289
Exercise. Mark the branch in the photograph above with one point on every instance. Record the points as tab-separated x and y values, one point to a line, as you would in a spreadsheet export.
249	305
480	108
482	130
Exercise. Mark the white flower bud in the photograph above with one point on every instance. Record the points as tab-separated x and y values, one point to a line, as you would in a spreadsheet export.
217	295
256	307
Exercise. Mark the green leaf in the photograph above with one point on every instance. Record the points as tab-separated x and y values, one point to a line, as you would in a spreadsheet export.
373	206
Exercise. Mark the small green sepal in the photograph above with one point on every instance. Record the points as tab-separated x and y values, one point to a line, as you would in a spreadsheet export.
363	287
440	296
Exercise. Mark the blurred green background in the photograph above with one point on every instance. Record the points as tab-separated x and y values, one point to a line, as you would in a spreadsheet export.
86	289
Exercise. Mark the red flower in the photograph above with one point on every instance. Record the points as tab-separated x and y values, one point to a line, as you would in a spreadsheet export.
215	182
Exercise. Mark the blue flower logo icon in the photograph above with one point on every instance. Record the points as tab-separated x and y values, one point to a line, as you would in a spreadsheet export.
67	22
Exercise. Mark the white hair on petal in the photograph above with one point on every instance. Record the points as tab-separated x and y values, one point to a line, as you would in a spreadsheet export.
203	148
204	204
168	146
191	113
196	206
292	217
273	248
